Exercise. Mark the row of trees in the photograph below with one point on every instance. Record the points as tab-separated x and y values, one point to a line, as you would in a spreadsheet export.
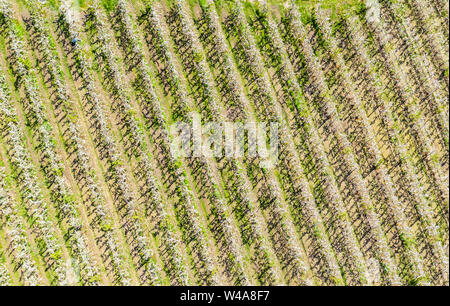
298	106
30	192
206	89
417	193
82	167
187	213
134	230
12	221
97	26
220	58
374	155
413	114
270	109
53	167
328	107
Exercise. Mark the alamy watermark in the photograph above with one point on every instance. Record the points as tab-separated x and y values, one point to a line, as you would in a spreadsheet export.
226	139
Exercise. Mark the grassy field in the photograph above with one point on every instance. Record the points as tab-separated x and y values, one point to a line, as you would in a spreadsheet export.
92	192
